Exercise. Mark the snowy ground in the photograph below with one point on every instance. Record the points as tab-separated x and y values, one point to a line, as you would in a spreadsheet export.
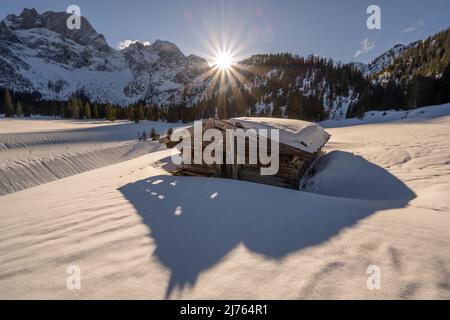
379	197
33	152
371	117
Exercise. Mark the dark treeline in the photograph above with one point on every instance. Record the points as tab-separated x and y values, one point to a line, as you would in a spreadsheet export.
77	107
17	104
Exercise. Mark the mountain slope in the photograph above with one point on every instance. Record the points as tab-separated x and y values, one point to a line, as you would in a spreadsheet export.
38	53
427	58
408	77
311	88
383	61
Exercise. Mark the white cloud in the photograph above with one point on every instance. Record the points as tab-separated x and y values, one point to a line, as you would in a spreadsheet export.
364	47
419	25
126	43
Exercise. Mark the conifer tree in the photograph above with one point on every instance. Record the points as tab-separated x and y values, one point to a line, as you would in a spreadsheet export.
9	108
18	111
138	113
81	110
87	111
75	109
62	110
110	113
130	113
276	111
154	134
113	113
68	109
95	111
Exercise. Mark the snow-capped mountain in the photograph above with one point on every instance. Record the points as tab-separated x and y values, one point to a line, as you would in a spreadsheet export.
40	54
380	63
160	70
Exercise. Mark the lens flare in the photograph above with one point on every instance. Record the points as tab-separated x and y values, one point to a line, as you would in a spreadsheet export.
223	61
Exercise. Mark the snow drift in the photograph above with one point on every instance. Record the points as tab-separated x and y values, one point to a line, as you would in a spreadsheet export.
28	159
137	233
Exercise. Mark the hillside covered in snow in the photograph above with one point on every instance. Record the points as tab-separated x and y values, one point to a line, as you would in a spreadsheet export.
39	54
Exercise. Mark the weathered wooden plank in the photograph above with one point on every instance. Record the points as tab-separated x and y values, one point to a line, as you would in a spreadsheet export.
293	162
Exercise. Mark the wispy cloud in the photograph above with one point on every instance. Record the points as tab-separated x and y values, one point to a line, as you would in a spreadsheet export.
365	46
416	26
126	43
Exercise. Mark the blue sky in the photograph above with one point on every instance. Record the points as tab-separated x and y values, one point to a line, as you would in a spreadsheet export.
330	28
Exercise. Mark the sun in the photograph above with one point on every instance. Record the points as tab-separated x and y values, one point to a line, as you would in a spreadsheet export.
223	61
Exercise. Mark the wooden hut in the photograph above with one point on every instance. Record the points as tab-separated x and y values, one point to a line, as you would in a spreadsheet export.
299	144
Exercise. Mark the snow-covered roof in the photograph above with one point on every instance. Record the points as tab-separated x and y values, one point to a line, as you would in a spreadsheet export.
303	135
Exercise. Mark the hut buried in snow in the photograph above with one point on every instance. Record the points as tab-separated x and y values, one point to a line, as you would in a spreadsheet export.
299	144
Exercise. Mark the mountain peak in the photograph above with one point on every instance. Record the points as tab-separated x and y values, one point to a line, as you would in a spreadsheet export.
197	61
56	22
29	15
165	46
137	45
168	51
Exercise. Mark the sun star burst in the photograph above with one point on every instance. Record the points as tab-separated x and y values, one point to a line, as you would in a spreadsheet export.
223	61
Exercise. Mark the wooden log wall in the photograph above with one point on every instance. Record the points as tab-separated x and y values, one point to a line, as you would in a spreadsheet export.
293	163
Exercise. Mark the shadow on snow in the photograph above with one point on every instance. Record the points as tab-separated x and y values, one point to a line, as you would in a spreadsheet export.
195	222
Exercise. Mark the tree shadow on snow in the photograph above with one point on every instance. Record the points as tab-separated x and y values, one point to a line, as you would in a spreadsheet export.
195	222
